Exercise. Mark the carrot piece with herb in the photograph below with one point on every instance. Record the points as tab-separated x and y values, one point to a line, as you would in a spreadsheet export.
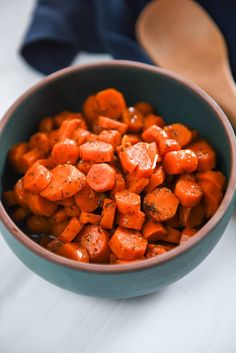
108	214
153	231
135	184
110	102
29	158
180	162
128	244
90	108
46	125
19	214
68	127
187	234
101	177
86	217
87	199
40	206
154	134
40	141
119	185
168	145
84	166
156	251
110	136
160	204
187	191
191	217
72	211
157	178
131	220
14	155
179	132
205	154
133	119
39	225
96	151
127	202
172	235
215	177
65	151
66	181
21	195
111	124
95	240
212	197
72	229
152	119
36	179
9	198
73	251
80	136
144	108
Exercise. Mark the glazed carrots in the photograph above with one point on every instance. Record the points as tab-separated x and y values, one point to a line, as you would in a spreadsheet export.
114	184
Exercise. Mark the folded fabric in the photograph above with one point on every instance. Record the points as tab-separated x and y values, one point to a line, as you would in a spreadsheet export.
60	29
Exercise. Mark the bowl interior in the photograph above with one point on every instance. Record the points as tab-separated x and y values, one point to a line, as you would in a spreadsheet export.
174	100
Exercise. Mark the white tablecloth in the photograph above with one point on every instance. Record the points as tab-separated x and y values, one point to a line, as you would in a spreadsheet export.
196	314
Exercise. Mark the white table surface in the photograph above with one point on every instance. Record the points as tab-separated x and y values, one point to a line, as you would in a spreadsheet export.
196	314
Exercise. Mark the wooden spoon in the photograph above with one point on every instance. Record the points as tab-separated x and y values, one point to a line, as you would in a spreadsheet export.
179	35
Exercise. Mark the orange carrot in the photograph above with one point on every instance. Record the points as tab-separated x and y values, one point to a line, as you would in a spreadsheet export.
87	199
68	128
80	136
19	214
127	202
66	181
112	137
96	151
172	235
187	191
73	251
9	198
212	197
128	244
59	118
101	177
40	206
135	184
131	220
95	240
133	119
40	141
152	119
53	138
46	125
108	214
29	158
187	234
72	211
36	179
111	103
191	217
90	108
111	124
161	204
119	185
179	132
14	155
206	155
21	195
72	229
69	201
215	177
65	151
180	162
59	216
154	134
156	251
144	108
157	178
153	231
86	217
84	166
168	145
38	225
57	228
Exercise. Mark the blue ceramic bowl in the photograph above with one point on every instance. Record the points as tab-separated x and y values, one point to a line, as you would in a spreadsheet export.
174	98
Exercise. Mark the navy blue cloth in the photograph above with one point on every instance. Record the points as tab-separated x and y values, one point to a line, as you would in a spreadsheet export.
60	29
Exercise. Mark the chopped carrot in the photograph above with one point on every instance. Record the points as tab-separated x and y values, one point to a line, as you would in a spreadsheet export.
157	178
135	184
72	229
53	245
205	154
36	179
29	158
108	214
90	108
156	251
95	240
66	181
215	177
160	204
180	162
131	220
57	228
87	199
154	134
15	154
110	124
73	251
86	217
152	119
40	141
127	202
174	221
65	151
80	136
212	197
101	177
53	137
133	119
172	235
180	133
69	201
40	206
72	211
9	198
19	214
46	125
84	166
168	145
68	128
112	137
187	234
96	151
191	217
38	225
144	108
21	195
141	156
59	216
110	102
128	244
187	191
153	231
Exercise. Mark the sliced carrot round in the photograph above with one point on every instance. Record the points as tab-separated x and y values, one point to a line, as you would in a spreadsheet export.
73	251
95	240
36	178
127	202
111	102
180	162
188	192
96	151
65	151
101	177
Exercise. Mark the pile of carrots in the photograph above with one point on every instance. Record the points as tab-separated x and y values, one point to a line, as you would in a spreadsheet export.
113	184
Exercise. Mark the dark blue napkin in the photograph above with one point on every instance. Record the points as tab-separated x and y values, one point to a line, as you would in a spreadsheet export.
60	29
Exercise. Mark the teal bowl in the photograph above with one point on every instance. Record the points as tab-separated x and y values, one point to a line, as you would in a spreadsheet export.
174	98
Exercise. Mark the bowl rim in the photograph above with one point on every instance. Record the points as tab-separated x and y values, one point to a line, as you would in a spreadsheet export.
148	263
